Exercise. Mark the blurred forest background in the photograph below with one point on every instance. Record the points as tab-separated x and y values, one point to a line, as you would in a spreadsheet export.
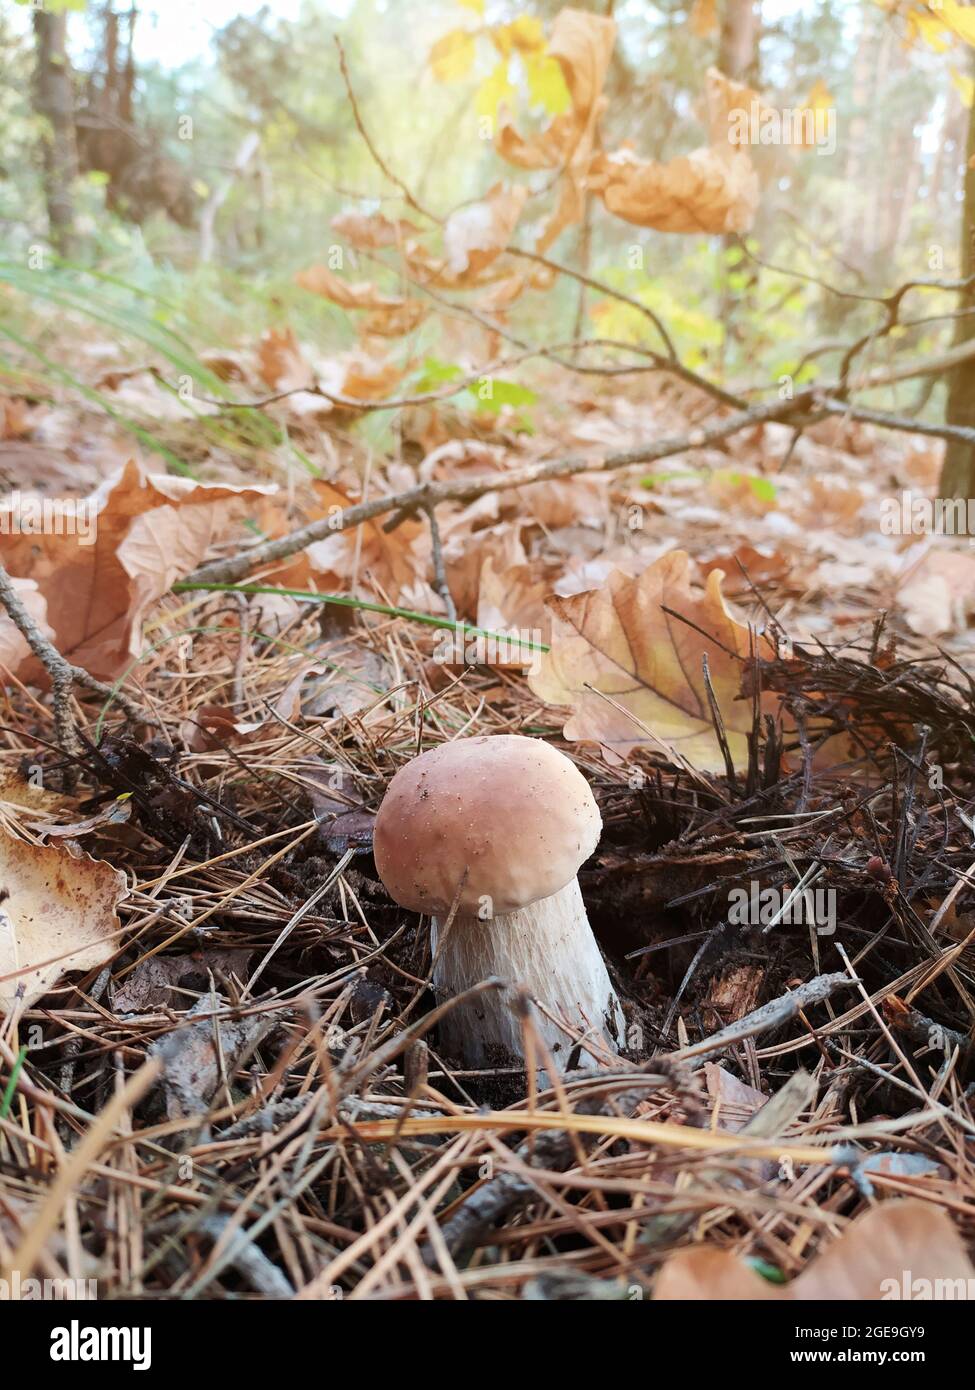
194	157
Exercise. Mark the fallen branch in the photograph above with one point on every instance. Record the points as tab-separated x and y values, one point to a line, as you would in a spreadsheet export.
427	495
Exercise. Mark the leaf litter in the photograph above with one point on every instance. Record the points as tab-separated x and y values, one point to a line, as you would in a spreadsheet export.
791	1116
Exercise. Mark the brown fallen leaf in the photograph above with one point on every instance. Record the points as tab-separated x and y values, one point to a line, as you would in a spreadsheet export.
618	641
361	376
280	361
58	915
392	558
901	1239
347	294
512	600
154	982
151	529
735	1102
938	596
31	795
16	418
212	726
14	649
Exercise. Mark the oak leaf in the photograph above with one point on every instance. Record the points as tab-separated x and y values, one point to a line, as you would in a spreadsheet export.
150	530
713	189
620	642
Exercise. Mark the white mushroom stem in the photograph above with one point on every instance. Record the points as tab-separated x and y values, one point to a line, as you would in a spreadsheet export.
547	948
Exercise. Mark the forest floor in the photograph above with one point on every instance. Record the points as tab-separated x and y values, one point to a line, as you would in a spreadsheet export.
296	1129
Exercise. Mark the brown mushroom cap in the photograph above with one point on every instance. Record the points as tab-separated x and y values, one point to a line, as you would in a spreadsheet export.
512	811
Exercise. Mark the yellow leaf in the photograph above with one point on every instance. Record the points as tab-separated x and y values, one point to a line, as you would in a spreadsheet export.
820	98
619	642
451	57
476	5
965	86
493	91
921	24
703	18
524	34
960	19
527	34
546	83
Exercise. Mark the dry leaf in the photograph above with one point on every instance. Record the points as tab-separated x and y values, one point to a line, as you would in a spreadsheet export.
150	531
371	231
30	795
618	641
512	599
280	361
582	44
714	189
711	190
55	905
391	558
197	1056
476	235
870	1259
735	1103
16	420
14	650
212	726
939	595
154	982
361	377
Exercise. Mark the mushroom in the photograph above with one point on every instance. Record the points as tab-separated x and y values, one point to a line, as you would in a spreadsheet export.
501	825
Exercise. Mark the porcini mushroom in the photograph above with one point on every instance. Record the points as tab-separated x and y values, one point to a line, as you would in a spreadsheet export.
502	825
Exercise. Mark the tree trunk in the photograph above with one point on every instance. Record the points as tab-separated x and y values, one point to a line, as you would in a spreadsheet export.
54	100
739	32
958	473
737	55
